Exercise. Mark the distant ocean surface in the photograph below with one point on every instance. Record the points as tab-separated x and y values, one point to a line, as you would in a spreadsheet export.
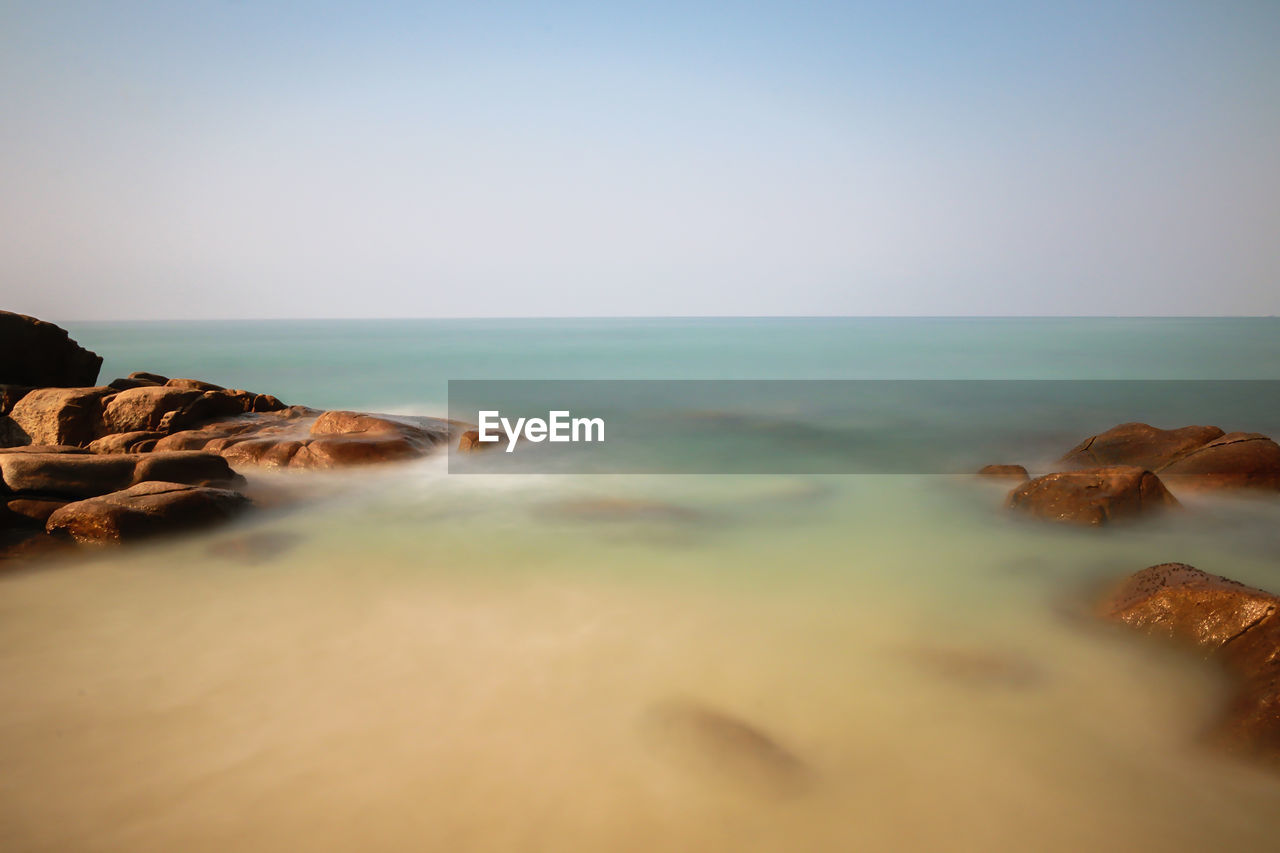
425	661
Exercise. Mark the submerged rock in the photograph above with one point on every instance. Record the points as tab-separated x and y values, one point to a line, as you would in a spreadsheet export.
712	741
1224	620
145	510
1004	472
1095	496
41	355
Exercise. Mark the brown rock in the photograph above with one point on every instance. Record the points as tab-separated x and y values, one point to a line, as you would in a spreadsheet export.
155	378
79	475
1004	472
61	415
194	384
126	384
32	511
144	408
1094	497
41	355
74	475
1139	444
264	452
347	450
21	544
139	441
1234	624
193	468
144	510
1235	460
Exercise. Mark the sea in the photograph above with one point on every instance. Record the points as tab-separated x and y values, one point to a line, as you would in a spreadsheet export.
415	658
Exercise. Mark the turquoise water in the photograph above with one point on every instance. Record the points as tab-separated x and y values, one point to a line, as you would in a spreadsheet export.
416	660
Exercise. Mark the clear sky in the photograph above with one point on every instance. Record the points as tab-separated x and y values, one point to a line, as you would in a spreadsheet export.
252	159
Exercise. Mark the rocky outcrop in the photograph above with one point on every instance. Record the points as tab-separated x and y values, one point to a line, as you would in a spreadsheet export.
41	355
140	441
81	475
143	408
144	510
61	415
1004	472
1191	457
296	437
1236	625
1096	496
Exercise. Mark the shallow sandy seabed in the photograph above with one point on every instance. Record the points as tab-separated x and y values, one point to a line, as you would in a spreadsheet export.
451	664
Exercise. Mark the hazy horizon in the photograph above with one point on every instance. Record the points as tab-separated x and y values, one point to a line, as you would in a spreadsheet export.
222	160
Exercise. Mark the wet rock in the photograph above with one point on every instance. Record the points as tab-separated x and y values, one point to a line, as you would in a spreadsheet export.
61	415
42	355
1004	472
1235	460
144	408
30	511
145	510
717	743
20	545
139	441
79	475
1095	496
470	441
1139	444
1226	621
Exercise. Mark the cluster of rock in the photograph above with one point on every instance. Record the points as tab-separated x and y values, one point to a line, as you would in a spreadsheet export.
146	453
1236	625
1125	472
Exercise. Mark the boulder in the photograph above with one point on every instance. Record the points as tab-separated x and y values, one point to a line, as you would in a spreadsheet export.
209	406
153	378
1004	472
1096	496
139	441
80	475
31	511
1235	460
61	415
42	355
74	475
1139	444
1226	621
144	408
145	510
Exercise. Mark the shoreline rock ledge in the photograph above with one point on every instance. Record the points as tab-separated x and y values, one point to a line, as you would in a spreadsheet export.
147	454
1236	625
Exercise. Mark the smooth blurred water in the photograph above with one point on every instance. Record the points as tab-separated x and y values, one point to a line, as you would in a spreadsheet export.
413	660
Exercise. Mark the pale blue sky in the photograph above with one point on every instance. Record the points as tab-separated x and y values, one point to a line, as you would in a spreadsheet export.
245	159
